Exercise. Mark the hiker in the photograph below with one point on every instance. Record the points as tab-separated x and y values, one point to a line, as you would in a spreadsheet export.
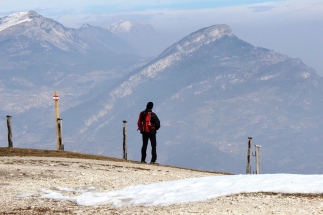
148	124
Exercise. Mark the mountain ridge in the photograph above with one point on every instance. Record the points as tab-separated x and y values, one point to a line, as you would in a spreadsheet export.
222	71
41	56
17	18
211	91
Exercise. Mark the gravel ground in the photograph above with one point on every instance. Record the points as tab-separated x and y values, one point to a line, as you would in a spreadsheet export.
21	178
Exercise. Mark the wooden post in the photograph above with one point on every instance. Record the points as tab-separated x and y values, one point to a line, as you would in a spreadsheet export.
56	98
125	140
249	156
9	131
60	136
257	148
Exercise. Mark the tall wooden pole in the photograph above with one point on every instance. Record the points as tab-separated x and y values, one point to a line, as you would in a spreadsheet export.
125	140
9	131
56	98
249	156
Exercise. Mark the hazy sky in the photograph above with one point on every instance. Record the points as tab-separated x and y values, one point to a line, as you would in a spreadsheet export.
291	27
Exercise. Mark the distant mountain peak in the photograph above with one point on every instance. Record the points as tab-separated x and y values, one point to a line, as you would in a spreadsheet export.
207	35
176	53
201	37
122	26
85	26
216	30
130	27
196	40
17	18
141	36
31	13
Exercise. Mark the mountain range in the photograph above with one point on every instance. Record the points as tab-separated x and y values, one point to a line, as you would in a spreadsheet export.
143	37
211	91
39	55
28	34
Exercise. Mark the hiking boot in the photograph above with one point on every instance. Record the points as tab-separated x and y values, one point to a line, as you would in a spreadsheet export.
143	162
154	163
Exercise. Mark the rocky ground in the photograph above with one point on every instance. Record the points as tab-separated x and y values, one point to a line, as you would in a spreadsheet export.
21	179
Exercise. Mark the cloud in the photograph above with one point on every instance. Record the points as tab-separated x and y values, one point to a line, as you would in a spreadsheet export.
261	8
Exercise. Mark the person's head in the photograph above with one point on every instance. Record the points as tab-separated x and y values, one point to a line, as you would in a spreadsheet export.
150	105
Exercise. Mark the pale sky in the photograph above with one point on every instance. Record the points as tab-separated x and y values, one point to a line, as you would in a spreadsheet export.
291	27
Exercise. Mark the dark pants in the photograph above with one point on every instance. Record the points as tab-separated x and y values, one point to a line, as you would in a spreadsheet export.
152	138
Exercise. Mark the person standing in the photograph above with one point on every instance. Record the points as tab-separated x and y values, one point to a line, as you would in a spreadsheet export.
148	124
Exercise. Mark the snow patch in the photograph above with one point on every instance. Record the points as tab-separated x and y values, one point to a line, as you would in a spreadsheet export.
305	75
223	86
176	96
14	19
122	26
95	118
200	38
267	77
126	26
196	189
236	81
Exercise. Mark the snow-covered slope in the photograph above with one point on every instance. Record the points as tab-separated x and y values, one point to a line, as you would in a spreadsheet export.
121	26
16	19
48	33
197	39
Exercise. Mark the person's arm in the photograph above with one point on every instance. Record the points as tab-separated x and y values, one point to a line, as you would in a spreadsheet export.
155	121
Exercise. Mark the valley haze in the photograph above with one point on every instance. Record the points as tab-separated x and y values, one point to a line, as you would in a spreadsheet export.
211	91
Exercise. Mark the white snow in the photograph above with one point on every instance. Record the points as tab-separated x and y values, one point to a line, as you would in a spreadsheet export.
126	25
200	38
14	19
121	26
194	189
305	75
267	77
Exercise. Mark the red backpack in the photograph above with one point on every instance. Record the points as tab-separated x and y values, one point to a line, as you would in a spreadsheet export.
144	124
